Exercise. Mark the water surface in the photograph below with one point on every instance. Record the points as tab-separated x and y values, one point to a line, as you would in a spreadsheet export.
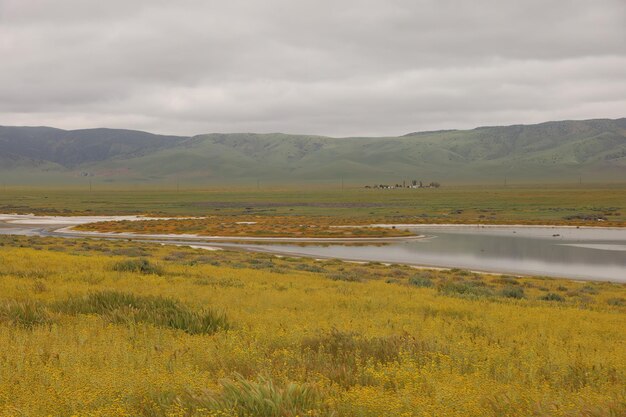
594	254
581	253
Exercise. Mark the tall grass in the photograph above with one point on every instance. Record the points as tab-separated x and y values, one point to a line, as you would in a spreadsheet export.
142	266
121	307
260	398
341	356
26	313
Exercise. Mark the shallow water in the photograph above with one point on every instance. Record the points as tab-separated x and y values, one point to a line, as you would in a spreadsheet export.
581	253
593	254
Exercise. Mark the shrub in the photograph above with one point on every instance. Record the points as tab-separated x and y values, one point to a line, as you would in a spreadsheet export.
309	268
142	266
513	292
471	289
552	297
618	302
588	289
507	280
348	276
120	307
419	281
131	252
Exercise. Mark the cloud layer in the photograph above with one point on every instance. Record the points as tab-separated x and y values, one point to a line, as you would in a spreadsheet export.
342	67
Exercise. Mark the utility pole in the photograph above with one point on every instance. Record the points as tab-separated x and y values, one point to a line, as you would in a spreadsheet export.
258	184
89	185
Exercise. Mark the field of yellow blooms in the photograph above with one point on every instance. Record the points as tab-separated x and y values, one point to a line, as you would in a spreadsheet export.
97	328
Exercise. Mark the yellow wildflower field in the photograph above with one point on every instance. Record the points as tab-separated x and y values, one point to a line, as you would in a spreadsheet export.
97	328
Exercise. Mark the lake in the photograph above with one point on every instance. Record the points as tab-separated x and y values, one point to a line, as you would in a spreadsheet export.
585	253
581	253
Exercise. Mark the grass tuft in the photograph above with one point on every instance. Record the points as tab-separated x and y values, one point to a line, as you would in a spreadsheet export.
340	356
419	281
121	307
27	314
467	289
512	292
142	266
552	297
261	398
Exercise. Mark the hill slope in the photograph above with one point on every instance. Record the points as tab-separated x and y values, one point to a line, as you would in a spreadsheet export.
552	151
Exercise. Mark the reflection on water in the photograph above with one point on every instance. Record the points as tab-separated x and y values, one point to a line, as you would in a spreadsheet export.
592	253
575	253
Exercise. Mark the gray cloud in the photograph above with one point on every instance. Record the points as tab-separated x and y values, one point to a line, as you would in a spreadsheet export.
343	67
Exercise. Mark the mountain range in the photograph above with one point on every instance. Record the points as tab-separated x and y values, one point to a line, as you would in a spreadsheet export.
559	151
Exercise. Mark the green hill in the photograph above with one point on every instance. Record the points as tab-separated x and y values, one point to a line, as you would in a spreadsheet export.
546	152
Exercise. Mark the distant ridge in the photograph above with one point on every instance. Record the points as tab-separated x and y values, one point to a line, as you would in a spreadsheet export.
552	151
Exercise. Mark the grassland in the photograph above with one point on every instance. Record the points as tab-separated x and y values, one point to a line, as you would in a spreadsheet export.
595	205
112	328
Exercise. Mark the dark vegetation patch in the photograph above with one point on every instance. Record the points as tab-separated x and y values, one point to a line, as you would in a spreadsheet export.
616	301
26	313
465	288
512	292
347	276
421	281
133	252
121	307
341	355
552	297
262	397
142	266
116	307
267	204
586	217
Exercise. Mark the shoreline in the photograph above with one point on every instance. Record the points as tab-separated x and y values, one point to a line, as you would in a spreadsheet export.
69	231
271	245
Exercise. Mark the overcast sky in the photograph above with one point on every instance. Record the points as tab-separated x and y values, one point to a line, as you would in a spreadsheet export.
339	67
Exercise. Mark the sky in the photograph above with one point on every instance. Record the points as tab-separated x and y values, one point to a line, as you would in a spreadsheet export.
339	68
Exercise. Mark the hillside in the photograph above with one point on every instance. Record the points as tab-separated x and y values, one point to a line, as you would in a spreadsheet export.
552	151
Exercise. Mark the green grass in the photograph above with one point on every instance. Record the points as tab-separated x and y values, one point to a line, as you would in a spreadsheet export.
262	398
143	266
540	204
27	313
560	151
121	307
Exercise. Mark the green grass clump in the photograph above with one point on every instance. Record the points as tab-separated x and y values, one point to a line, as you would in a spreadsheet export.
340	356
348	276
512	292
419	281
552	297
121	307
616	301
142	266
261	398
470	289
27	313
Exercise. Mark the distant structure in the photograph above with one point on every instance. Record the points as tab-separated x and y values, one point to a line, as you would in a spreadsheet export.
413	184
